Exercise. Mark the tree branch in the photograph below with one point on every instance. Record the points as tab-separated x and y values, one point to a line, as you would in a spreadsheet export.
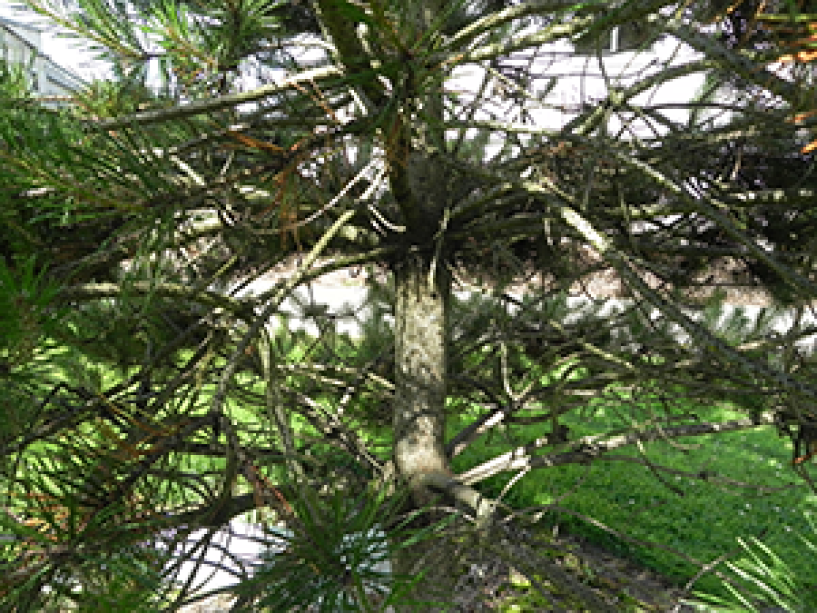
590	447
211	105
95	291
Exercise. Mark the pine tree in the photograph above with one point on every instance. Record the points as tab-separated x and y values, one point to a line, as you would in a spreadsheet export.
239	135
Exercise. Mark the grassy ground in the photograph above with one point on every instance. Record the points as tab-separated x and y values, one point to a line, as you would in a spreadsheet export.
699	519
689	518
750	490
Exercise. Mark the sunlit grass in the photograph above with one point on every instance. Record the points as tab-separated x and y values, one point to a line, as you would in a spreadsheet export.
698	518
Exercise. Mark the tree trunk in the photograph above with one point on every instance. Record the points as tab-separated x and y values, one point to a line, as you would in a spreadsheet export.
421	188
421	335
421	321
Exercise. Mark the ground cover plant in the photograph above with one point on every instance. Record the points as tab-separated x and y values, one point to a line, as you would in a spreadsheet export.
138	220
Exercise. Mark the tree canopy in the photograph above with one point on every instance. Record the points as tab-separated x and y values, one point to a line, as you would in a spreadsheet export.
145	392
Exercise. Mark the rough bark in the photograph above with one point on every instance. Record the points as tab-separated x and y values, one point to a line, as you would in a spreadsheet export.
423	287
414	142
421	310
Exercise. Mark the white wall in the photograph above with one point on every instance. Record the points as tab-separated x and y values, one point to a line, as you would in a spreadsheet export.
23	44
346	304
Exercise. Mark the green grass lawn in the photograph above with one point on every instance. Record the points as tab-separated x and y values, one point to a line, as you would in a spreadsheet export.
751	489
698	518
